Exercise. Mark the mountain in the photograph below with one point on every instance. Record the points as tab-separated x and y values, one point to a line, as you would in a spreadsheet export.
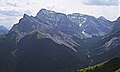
47	20
109	47
74	24
36	52
108	66
55	25
61	28
64	30
56	42
8	44
3	30
90	25
112	40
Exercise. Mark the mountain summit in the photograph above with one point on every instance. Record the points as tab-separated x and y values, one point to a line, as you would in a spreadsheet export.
80	25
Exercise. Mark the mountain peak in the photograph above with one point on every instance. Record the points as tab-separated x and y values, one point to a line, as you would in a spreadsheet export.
102	17
45	11
118	19
25	16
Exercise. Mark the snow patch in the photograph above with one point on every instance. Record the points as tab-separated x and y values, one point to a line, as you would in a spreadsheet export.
80	24
73	17
86	34
84	21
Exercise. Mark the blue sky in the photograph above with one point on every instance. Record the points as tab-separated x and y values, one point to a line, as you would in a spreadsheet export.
12	10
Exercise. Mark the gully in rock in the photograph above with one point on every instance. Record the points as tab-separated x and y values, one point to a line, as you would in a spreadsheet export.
91	60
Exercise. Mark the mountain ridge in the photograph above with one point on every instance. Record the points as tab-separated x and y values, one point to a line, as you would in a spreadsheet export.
57	42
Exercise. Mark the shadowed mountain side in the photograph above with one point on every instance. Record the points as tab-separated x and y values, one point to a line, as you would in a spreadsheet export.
37	53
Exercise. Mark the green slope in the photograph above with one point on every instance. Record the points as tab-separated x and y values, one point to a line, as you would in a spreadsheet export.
118	70
108	66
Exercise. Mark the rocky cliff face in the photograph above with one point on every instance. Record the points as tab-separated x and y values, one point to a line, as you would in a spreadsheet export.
110	45
38	53
90	25
112	39
61	28
76	24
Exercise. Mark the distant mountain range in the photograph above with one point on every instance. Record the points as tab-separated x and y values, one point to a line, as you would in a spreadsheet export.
3	30
56	42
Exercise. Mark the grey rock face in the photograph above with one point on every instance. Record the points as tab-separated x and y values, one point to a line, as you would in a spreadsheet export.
90	25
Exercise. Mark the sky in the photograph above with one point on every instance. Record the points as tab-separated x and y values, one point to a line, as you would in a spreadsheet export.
12	10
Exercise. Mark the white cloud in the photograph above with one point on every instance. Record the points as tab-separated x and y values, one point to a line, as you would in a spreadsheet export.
101	2
8	21
10	13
